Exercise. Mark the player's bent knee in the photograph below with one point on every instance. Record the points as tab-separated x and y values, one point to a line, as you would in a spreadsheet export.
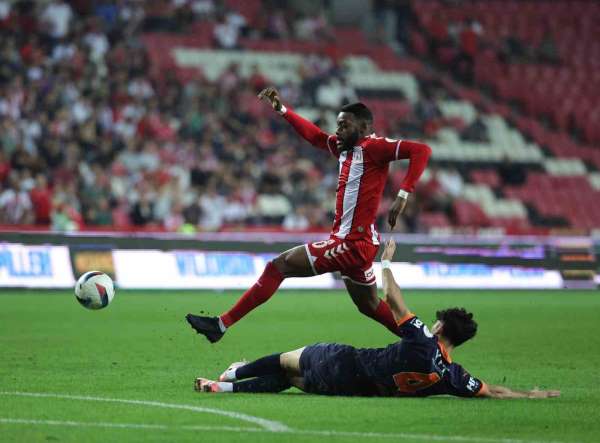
366	304
284	261
293	263
365	299
280	263
295	259
365	307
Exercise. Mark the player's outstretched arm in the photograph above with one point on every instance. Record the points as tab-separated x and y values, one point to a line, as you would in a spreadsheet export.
306	129
491	391
393	295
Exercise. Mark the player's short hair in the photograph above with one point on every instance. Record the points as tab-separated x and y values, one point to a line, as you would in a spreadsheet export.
359	110
458	325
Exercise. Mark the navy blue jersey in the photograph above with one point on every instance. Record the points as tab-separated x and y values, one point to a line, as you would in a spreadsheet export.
417	365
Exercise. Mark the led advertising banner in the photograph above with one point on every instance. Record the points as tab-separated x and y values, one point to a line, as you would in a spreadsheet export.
471	276
35	266
239	270
484	266
199	270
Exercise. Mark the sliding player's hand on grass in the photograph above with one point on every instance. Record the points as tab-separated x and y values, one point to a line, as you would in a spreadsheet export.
396	209
271	95
390	248
536	393
492	391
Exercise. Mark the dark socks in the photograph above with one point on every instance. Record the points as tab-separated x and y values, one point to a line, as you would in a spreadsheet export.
265	374
267	383
268	365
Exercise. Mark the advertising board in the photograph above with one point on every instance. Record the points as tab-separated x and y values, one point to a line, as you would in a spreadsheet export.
35	266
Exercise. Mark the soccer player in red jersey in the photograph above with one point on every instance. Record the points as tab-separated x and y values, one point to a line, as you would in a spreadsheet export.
363	168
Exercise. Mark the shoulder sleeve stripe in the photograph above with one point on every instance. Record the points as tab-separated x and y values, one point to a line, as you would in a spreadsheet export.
398	148
406	318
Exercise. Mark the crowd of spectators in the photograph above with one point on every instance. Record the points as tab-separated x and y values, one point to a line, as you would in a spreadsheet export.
87	138
279	22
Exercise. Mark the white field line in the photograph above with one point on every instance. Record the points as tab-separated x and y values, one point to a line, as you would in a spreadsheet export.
425	437
358	435
267	426
100	424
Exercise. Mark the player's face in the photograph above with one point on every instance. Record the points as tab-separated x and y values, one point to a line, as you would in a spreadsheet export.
347	131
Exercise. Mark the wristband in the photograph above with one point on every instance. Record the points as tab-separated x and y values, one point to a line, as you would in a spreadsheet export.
283	110
386	264
403	194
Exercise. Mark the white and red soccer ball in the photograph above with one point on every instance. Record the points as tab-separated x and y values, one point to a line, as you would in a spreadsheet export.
94	290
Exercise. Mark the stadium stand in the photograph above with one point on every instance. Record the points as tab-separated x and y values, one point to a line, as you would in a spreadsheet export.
542	62
129	116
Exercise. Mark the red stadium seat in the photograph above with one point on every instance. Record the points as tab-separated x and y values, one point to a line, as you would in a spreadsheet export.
434	220
542	89
470	214
486	177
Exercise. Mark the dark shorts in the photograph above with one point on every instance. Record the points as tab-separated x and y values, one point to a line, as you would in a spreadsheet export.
333	369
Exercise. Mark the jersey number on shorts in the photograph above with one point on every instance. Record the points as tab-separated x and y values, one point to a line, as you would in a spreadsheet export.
415	381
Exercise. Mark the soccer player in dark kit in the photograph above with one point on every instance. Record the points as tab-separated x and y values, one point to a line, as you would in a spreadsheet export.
418	365
363	160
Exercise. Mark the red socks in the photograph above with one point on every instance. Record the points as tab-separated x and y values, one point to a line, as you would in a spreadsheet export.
383	314
266	286
259	293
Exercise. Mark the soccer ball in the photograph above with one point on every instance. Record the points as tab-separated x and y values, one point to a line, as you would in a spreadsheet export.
94	290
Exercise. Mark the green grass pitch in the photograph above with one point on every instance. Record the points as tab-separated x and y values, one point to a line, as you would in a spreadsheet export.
141	352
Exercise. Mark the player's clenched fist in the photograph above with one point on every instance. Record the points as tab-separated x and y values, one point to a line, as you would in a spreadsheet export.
272	96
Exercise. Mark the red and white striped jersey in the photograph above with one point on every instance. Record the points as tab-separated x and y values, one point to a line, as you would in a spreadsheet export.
363	171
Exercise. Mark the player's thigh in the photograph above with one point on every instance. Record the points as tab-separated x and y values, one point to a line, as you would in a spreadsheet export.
294	263
290	362
362	294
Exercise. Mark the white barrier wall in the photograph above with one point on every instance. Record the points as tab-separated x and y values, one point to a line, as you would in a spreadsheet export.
199	270
35	266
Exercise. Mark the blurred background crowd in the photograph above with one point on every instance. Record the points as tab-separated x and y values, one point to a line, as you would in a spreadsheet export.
88	138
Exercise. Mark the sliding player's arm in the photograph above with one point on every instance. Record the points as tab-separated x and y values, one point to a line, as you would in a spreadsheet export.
306	129
393	295
491	391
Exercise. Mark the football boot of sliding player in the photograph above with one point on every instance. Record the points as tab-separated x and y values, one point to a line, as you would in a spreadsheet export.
229	373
